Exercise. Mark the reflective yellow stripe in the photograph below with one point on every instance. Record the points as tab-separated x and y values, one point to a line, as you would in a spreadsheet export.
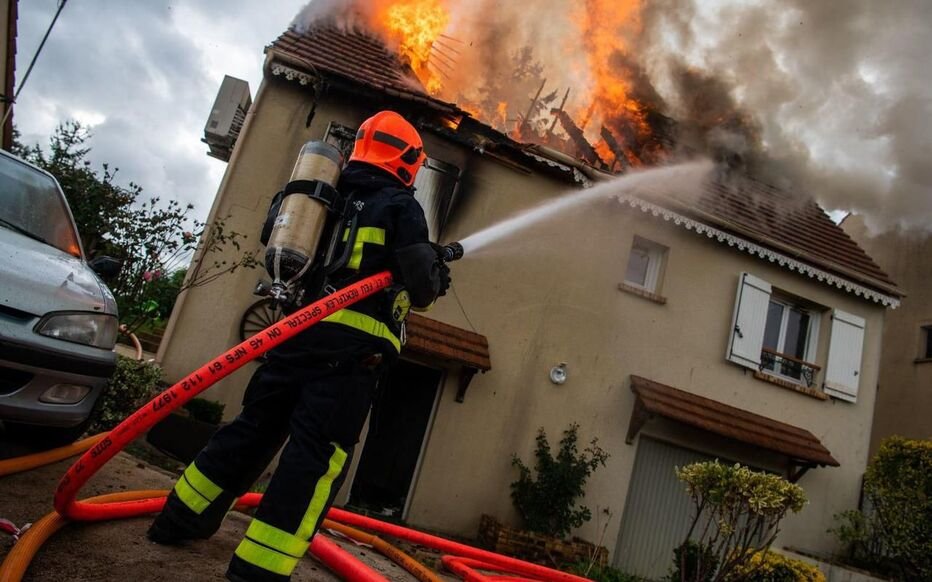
277	539
202	484
365	234
266	558
321	493
364	323
190	497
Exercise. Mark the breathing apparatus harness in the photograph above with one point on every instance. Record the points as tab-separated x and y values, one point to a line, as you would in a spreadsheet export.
312	211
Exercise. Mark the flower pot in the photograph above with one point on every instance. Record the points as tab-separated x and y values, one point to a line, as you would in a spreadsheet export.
537	547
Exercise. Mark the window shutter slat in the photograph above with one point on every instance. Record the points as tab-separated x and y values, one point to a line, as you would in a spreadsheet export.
749	321
843	372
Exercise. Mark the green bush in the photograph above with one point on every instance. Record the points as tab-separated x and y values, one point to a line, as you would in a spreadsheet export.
132	385
205	410
737	513
773	567
895	536
694	563
547	503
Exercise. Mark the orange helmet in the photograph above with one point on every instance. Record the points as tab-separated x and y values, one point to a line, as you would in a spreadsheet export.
386	140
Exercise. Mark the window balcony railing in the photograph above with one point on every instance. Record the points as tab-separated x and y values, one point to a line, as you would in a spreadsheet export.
788	366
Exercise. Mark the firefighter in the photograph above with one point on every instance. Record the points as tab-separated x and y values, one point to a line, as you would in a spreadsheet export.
317	388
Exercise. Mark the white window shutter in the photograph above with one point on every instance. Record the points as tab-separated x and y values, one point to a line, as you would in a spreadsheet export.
749	321
843	372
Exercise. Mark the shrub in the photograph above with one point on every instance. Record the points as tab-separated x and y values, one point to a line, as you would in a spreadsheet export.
205	410
896	535
737	513
693	562
602	574
547	504
132	385
773	567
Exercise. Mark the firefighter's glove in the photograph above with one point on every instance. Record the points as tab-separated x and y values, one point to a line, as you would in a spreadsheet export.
445	279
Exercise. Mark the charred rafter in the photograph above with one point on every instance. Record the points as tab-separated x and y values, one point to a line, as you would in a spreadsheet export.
583	147
613	145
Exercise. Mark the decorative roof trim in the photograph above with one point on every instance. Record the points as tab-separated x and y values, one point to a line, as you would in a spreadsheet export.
758	250
279	69
578	176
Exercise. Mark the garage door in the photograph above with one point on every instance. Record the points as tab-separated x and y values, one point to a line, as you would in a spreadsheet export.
657	512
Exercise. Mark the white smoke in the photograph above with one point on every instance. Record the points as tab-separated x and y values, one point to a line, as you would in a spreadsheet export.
840	91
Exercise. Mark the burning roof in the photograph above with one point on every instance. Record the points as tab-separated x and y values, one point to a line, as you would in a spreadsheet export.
789	222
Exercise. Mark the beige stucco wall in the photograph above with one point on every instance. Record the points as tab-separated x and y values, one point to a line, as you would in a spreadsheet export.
904	400
544	296
550	295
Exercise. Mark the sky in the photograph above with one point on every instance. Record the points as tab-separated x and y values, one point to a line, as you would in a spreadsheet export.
838	93
143	75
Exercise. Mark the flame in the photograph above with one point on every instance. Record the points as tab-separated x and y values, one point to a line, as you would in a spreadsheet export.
502	112
416	25
605	152
604	26
603	31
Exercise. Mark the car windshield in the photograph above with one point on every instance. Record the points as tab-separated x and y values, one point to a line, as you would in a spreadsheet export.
32	204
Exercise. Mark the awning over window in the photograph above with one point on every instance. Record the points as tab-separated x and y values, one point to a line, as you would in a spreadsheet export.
449	344
653	398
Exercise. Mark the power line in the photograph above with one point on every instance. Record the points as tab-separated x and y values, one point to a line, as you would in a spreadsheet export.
32	63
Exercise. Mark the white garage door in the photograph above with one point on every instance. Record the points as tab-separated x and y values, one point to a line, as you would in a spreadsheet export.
657	512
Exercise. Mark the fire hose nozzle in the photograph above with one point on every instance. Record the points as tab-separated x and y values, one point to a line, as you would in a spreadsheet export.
451	252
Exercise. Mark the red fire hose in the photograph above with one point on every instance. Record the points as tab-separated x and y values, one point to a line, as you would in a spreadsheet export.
189	387
195	383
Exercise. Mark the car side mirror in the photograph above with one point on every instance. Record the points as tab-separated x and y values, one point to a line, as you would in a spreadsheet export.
106	267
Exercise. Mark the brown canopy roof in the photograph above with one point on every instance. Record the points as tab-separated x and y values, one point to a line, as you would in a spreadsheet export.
446	342
654	398
768	215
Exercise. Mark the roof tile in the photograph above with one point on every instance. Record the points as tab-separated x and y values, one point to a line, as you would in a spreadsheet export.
727	421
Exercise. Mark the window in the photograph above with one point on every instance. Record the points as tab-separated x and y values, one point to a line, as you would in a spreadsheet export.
926	353
342	138
777	334
788	337
434	188
645	264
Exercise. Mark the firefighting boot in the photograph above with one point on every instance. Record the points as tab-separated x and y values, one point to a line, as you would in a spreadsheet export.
178	523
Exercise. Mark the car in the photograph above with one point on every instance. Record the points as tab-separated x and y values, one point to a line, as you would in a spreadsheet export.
58	319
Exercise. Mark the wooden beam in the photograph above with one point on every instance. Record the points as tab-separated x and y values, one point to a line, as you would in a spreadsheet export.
639	417
465	378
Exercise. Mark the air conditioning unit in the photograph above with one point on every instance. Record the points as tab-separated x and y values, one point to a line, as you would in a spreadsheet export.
227	117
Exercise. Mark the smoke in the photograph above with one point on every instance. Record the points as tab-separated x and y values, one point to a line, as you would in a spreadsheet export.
345	14
833	96
827	98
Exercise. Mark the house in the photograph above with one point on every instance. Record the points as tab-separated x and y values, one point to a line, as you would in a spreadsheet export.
739	324
904	392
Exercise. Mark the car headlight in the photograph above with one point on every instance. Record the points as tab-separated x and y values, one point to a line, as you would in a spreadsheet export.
92	329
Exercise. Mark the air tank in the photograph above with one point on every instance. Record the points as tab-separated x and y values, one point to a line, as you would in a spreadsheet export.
300	222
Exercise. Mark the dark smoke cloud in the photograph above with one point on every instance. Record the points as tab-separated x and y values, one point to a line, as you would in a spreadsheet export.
835	95
828	98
